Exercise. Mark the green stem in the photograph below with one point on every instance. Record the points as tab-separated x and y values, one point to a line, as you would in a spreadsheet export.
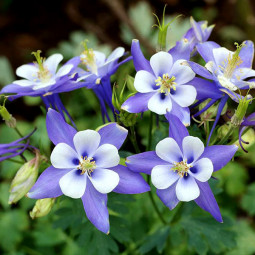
133	139
150	132
18	132
155	205
15	161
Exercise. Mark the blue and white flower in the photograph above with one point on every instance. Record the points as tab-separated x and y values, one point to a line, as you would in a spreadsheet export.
162	85
226	73
44	79
181	166
85	165
95	73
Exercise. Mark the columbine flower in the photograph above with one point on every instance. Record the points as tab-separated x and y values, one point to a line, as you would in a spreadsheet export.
86	165
15	148
96	71
198	33
181	166
227	71
162	86
43	79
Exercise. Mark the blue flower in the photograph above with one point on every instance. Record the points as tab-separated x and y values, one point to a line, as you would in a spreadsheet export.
181	166
198	33
85	165
43	79
226	73
96	73
15	148
162	85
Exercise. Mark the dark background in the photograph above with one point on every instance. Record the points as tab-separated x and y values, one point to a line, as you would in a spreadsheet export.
30	25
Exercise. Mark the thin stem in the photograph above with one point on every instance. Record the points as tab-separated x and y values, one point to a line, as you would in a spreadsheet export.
15	161
150	132
155	205
23	157
18	132
133	139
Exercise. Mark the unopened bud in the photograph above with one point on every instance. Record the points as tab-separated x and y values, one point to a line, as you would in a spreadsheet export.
42	207
223	130
126	118
24	179
7	117
240	112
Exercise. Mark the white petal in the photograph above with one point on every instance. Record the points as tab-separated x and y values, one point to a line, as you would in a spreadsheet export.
163	177
117	53
202	170
28	72
73	184
185	95
40	85
193	148
63	156
99	58
106	156
104	180
168	150
159	103
221	56
161	63
52	62
187	189
64	70
144	81
24	83
86	142
182	73
243	73
226	83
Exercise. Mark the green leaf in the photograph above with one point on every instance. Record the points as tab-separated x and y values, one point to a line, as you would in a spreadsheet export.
235	177
6	74
155	240
248	200
12	224
205	233
245	239
49	236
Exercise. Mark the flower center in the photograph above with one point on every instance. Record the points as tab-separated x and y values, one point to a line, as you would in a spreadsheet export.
166	83
232	62
182	168
43	74
87	165
88	59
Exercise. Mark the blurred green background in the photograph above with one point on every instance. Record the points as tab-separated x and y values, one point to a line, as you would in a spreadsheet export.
60	26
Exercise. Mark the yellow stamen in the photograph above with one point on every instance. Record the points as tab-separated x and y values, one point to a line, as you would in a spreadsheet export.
166	84
87	165
44	74
233	61
88	58
182	168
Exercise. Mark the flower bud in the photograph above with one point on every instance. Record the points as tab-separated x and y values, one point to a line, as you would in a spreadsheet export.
126	118
42	207
7	117
24	179
240	112
223	130
162	33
